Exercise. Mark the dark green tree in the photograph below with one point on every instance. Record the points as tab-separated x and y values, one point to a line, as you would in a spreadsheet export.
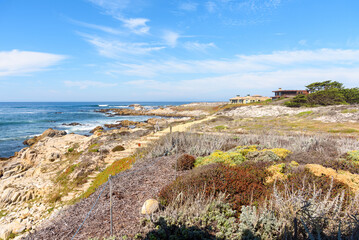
326	85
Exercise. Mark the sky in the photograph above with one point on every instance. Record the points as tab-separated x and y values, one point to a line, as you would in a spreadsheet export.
173	50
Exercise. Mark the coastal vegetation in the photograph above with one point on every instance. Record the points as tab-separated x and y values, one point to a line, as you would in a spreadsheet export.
259	171
324	94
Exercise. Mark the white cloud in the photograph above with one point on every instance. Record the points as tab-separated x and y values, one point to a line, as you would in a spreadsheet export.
188	6
17	62
118	49
217	87
97	27
196	46
171	38
255	65
261	72
136	25
86	84
112	7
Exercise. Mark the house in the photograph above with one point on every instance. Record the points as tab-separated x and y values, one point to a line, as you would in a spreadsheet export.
248	99
288	93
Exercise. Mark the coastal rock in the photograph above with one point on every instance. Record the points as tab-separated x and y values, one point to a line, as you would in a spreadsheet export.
47	133
150	206
98	128
5	232
72	124
126	123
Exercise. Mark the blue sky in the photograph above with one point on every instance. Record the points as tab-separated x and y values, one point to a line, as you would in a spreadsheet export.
171	50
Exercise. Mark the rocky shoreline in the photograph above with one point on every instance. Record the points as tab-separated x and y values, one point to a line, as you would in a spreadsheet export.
55	168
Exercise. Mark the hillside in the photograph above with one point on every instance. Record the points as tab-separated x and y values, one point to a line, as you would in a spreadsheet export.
304	155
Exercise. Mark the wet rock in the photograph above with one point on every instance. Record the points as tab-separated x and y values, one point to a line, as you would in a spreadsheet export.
72	124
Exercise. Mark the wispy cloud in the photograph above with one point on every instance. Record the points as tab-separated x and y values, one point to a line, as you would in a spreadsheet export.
290	69
170	38
86	84
188	6
214	87
196	46
275	61
118	49
17	62
97	27
112	7
136	25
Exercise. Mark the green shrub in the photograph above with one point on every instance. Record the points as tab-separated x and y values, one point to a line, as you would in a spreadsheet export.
118	148
333	96
350	110
220	128
297	101
70	150
185	162
306	113
351	95
353	156
230	158
243	153
94	147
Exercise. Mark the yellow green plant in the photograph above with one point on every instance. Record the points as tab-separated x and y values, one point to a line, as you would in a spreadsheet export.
353	156
238	156
230	158
116	167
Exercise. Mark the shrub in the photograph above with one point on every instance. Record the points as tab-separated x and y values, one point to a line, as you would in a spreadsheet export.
351	95
94	147
230	158
296	177
331	96
306	113
70	150
220	128
190	143
118	148
243	153
198	215
297	101
185	162
243	184
353	156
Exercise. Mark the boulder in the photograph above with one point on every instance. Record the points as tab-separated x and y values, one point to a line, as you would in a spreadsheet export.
17	227
47	133
126	123
5	232
98	128
150	206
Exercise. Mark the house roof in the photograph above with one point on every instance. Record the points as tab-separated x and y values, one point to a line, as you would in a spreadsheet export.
290	91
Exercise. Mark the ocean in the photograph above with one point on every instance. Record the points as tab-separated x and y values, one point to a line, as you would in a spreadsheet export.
22	120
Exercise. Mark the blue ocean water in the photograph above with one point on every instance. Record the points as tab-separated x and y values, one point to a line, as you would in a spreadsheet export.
20	121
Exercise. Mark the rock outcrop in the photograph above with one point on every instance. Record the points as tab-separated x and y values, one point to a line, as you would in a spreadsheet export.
48	133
